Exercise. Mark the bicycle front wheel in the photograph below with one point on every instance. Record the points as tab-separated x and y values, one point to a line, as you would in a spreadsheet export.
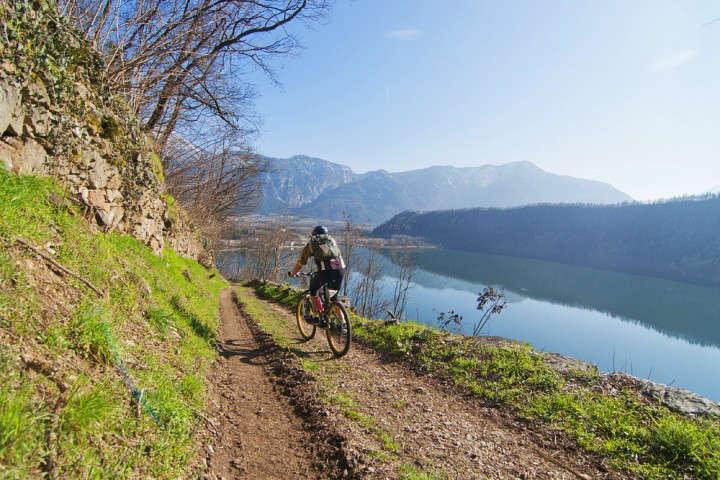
339	331
304	311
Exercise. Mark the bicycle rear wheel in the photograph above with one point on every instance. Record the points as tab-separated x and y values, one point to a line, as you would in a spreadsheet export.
304	311
339	331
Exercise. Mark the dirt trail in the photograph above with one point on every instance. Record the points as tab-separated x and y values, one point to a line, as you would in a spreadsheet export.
256	433
396	421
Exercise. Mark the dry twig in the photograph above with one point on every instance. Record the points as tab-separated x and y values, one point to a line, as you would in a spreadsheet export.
59	267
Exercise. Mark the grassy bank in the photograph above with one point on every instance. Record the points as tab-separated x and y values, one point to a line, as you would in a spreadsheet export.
632	434
104	384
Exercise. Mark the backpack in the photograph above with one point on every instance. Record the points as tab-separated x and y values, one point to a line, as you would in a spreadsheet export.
326	252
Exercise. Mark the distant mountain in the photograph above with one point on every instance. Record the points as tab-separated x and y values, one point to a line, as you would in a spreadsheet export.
321	189
289	183
371	198
512	184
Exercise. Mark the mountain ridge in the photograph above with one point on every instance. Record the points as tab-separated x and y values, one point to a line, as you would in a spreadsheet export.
314	187
285	188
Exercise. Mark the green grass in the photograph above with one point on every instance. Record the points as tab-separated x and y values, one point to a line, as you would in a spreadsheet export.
379	455
268	321
22	418
342	400
91	335
352	409
503	374
387	441
649	441
309	365
283	294
643	438
87	411
155	322
160	319
21	436
410	472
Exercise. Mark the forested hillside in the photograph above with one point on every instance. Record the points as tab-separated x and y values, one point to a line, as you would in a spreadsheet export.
675	239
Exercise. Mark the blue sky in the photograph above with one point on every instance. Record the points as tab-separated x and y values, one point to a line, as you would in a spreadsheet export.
622	91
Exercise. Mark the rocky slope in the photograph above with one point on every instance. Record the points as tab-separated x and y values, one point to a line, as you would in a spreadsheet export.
105	344
321	189
58	118
106	332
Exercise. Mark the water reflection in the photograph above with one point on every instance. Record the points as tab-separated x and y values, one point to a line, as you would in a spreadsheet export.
680	310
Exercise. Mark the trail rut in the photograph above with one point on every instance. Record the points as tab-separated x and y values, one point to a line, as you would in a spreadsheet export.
256	433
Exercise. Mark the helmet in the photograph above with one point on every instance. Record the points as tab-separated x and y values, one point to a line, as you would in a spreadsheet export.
320	230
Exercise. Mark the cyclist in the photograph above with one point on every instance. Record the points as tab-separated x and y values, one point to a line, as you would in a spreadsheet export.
330	264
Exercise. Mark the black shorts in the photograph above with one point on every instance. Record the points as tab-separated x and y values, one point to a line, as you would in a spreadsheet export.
333	279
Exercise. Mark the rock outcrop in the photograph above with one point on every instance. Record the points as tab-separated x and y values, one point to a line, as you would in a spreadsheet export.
69	125
679	400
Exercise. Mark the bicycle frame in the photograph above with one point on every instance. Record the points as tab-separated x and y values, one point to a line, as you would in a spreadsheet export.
329	322
323	293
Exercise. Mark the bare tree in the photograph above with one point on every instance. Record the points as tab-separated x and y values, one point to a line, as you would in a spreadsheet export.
231	263
367	295
182	61
450	321
267	255
403	283
490	302
181	66
212	184
348	245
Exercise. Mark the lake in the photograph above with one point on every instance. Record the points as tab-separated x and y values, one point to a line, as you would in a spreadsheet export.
668	332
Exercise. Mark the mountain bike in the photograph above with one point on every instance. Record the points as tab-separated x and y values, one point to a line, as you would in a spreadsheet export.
333	319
